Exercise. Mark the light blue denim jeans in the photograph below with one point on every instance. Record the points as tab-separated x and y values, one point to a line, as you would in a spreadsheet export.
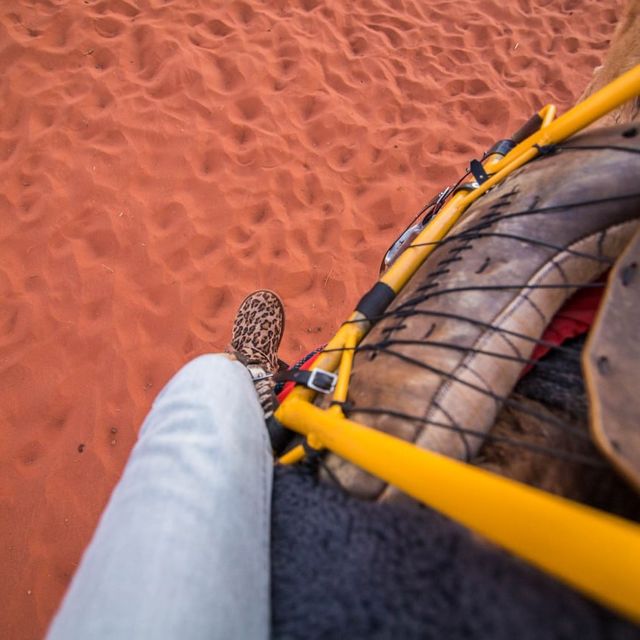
182	548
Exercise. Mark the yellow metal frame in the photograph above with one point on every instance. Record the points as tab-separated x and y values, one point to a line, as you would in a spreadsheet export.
596	553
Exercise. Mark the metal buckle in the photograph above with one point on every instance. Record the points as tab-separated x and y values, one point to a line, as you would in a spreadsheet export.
316	385
258	373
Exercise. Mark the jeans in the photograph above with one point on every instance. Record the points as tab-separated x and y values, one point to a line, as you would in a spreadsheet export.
182	548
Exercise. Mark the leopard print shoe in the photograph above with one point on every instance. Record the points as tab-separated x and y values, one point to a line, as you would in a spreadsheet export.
255	339
258	328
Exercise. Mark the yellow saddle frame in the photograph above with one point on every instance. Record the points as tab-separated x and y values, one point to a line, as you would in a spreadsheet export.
595	552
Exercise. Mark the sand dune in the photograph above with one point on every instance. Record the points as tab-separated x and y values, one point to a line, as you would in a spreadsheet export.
158	160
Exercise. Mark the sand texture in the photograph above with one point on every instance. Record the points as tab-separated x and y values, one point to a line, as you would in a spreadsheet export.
159	160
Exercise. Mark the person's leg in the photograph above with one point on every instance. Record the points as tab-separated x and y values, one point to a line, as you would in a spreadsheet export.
182	549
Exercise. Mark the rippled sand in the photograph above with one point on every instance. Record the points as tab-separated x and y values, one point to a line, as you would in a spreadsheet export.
159	160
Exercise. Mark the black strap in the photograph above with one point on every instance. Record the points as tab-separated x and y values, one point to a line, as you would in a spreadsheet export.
322	380
478	171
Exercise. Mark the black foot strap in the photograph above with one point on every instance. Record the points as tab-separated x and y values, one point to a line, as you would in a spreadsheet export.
318	380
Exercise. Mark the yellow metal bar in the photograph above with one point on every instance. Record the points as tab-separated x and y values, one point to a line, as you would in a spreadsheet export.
339	395
292	457
594	552
328	359
397	276
613	95
416	253
344	373
619	91
547	113
624	88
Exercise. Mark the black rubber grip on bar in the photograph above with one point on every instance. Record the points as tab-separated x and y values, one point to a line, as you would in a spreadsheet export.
502	147
376	300
527	129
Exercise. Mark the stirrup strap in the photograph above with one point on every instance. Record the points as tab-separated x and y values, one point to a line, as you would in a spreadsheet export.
316	379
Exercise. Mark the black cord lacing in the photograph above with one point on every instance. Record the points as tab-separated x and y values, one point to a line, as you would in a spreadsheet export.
408	309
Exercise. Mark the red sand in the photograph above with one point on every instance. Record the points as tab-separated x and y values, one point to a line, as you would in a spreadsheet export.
158	160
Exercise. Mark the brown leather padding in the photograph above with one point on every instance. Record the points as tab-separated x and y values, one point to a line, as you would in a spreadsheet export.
524	233
611	364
